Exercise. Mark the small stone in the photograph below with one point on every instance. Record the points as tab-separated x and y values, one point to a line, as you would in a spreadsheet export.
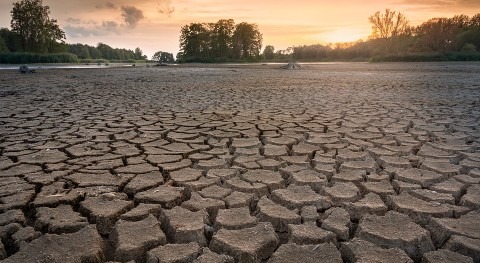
321	253
239	245
174	253
133	239
184	226
358	250
445	256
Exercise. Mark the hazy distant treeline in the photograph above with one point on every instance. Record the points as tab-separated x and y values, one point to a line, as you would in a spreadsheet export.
456	38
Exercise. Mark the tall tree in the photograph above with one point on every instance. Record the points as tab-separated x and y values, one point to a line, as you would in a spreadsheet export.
221	37
269	52
38	32
388	26
195	40
439	34
247	40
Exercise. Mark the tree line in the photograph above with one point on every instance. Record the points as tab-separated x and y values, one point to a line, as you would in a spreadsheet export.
35	37
394	39
219	42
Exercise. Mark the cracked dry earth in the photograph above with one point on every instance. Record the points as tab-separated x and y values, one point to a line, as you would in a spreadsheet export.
334	163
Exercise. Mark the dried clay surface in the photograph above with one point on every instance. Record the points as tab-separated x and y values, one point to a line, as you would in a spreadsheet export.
348	162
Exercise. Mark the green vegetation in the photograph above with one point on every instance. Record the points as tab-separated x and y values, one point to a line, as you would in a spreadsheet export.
222	41
24	58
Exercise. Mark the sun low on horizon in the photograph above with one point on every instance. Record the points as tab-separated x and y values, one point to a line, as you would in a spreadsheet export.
155	25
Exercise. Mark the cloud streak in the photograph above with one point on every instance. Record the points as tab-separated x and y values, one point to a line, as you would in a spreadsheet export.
166	7
131	15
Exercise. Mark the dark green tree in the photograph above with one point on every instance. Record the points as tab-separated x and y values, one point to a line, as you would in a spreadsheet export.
31	21
247	40
269	52
221	37
195	40
139	54
3	46
163	57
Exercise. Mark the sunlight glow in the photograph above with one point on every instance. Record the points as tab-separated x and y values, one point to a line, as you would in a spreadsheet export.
342	35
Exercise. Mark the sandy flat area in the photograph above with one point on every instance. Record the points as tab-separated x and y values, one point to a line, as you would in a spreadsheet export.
337	162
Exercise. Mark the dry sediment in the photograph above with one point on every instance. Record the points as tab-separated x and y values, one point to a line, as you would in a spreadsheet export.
333	163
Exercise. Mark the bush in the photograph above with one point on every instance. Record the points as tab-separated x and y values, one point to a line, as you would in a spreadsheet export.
29	58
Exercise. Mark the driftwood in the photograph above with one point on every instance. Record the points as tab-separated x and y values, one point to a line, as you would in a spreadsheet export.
25	69
292	65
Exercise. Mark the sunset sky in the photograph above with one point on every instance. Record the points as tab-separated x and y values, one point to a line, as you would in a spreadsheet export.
154	25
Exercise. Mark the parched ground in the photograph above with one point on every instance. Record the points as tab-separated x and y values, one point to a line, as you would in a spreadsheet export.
333	163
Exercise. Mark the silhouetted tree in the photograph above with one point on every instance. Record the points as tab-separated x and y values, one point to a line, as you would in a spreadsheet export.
388	26
195	40
269	52
3	46
221	37
247	40
39	33
163	57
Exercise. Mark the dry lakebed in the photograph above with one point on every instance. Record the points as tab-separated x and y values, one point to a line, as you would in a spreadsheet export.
337	162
